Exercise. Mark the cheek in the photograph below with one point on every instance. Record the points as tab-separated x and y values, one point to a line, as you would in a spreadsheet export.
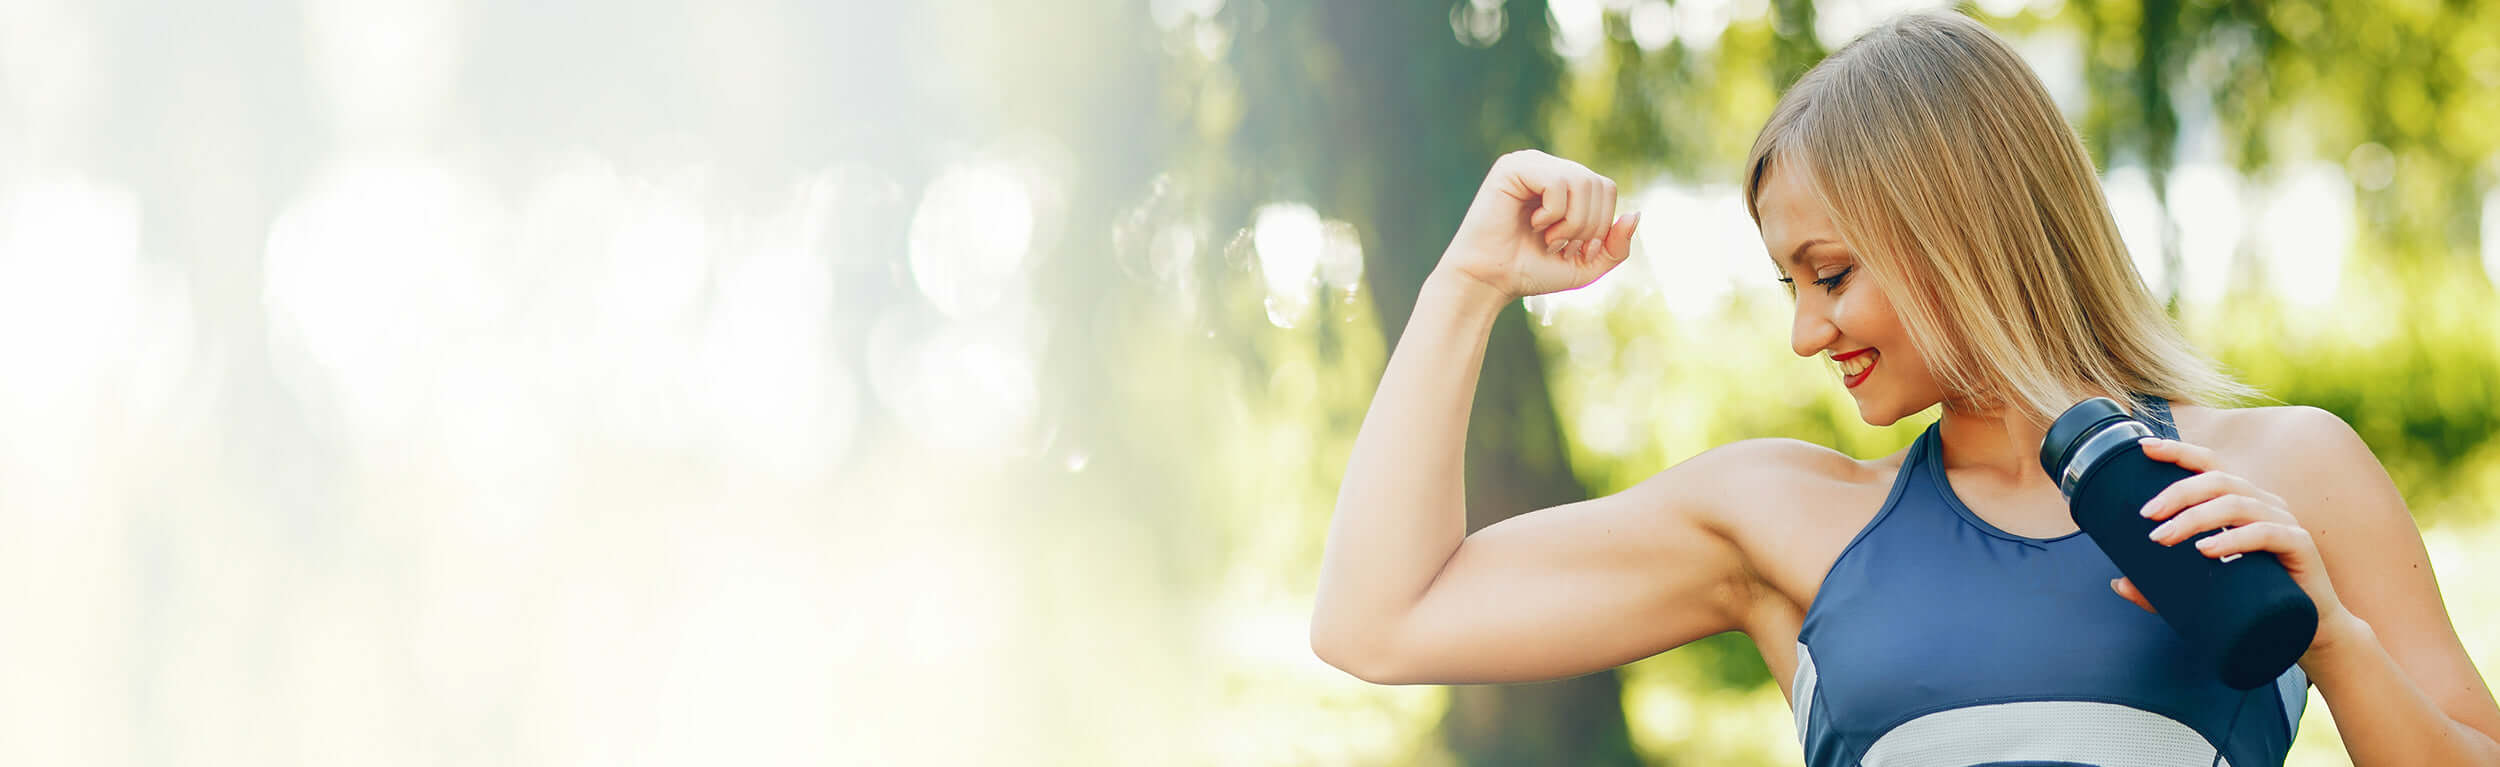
1867	317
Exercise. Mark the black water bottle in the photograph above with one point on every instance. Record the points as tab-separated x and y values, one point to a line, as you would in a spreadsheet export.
2244	617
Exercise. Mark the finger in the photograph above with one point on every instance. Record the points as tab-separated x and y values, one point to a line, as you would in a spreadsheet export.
1573	221
1543	217
2126	589
1601	211
2226	511
2187	456
2282	539
1618	245
1604	210
1552	206
2199	489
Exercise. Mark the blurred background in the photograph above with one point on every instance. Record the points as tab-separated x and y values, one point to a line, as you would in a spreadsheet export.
957	382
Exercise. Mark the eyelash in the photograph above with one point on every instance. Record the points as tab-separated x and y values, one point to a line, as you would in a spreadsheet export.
1829	283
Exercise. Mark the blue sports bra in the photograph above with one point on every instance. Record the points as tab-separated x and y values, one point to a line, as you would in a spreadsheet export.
1938	639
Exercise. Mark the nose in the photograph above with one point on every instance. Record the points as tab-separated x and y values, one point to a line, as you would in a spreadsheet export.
1811	331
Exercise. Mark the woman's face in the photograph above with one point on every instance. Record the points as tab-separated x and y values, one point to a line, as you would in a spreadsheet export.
1845	314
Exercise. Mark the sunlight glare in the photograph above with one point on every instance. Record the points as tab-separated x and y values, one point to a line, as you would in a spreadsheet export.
1700	247
1699	23
366	281
71	289
2205	200
969	237
1579	25
775	398
2306	234
1171	14
1652	23
1478	23
2140	224
1288	239
1341	257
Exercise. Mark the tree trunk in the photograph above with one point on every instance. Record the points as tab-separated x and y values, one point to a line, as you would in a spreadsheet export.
1428	131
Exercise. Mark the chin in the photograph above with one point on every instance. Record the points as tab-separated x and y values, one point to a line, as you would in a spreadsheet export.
1878	415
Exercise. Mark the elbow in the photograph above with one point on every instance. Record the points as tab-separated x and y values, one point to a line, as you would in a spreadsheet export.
1335	649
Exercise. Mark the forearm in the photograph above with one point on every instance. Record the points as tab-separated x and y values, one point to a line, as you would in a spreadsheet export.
1401	510
2384	718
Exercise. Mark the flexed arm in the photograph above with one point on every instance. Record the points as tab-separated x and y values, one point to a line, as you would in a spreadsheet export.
1405	594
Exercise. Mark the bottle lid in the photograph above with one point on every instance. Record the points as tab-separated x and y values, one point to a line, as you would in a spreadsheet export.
2071	428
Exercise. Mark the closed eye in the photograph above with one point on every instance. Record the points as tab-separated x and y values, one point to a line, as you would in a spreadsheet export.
1833	282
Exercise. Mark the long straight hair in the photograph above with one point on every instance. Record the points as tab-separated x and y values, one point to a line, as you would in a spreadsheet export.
1948	169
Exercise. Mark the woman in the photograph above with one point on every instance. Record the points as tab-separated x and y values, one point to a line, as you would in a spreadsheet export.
1936	605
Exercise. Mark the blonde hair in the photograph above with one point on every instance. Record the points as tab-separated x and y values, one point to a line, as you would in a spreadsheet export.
1948	169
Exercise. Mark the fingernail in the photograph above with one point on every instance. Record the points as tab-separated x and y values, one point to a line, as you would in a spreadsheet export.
2206	544
2159	531
2146	512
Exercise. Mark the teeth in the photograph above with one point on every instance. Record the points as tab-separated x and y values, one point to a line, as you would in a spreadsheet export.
1857	364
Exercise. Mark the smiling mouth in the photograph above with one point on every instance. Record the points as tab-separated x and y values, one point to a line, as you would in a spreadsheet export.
1853	371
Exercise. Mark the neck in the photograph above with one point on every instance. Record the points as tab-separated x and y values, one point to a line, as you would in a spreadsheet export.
1995	442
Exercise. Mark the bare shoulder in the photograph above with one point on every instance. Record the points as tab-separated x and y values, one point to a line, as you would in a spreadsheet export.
1747	477
1789	507
1777	455
2286	440
2320	467
2258	423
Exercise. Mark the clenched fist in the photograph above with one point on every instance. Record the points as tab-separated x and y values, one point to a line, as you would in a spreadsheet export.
1540	224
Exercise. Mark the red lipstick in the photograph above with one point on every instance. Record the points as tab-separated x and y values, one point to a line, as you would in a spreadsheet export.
1852	381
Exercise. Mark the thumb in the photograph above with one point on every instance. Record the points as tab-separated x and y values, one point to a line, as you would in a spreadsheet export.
2126	588
1619	238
